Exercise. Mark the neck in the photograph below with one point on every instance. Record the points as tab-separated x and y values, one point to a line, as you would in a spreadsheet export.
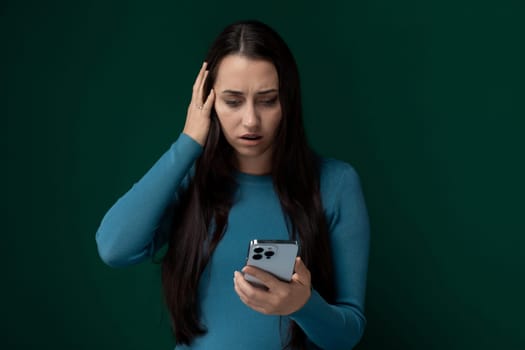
261	165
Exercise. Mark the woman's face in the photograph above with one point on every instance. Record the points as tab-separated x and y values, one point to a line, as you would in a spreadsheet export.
249	111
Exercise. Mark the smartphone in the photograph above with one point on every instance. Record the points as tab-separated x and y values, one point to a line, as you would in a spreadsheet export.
274	256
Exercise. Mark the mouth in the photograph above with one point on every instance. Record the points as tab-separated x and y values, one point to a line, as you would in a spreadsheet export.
251	137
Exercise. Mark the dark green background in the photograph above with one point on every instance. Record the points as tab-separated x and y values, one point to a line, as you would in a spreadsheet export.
424	98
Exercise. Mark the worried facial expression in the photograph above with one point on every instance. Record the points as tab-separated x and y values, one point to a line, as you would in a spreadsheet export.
249	111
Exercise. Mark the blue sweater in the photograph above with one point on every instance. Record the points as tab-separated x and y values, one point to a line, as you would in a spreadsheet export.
138	223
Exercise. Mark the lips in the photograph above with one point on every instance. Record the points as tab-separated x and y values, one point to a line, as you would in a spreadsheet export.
251	137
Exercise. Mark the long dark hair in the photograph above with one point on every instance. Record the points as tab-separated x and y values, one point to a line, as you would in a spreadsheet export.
209	196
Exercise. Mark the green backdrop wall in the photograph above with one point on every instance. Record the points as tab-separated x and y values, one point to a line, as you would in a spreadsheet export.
424	98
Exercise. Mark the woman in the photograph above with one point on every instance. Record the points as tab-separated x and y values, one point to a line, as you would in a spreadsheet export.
241	170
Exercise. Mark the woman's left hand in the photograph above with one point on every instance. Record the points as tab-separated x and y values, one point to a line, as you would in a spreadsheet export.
281	298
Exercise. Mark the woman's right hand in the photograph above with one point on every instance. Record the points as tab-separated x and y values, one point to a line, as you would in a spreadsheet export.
198	117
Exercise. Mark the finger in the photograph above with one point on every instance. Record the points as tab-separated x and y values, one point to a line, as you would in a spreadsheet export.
246	288
200	75
260	307
200	90
196	97
203	80
302	274
209	100
248	302
267	278
299	267
248	294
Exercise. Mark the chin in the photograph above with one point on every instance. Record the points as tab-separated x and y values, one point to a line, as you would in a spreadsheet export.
249	153
253	152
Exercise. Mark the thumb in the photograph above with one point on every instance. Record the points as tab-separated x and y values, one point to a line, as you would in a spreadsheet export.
302	274
300	267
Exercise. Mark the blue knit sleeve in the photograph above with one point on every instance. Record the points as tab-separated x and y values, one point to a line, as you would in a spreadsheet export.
136	225
340	325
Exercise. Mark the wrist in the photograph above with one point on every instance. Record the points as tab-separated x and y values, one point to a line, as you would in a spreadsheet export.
199	138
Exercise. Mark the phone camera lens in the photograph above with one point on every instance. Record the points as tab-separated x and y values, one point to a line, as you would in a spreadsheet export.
269	254
257	257
258	250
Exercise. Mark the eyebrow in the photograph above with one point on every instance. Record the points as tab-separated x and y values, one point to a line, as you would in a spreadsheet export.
239	93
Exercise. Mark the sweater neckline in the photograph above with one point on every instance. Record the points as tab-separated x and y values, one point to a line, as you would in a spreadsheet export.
244	178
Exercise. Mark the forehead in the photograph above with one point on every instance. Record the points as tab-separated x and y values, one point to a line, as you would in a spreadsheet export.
246	75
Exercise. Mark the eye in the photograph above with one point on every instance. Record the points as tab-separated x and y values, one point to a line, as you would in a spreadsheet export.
233	103
269	102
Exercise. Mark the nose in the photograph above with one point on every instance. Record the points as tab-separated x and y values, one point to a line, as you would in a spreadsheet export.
250	119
